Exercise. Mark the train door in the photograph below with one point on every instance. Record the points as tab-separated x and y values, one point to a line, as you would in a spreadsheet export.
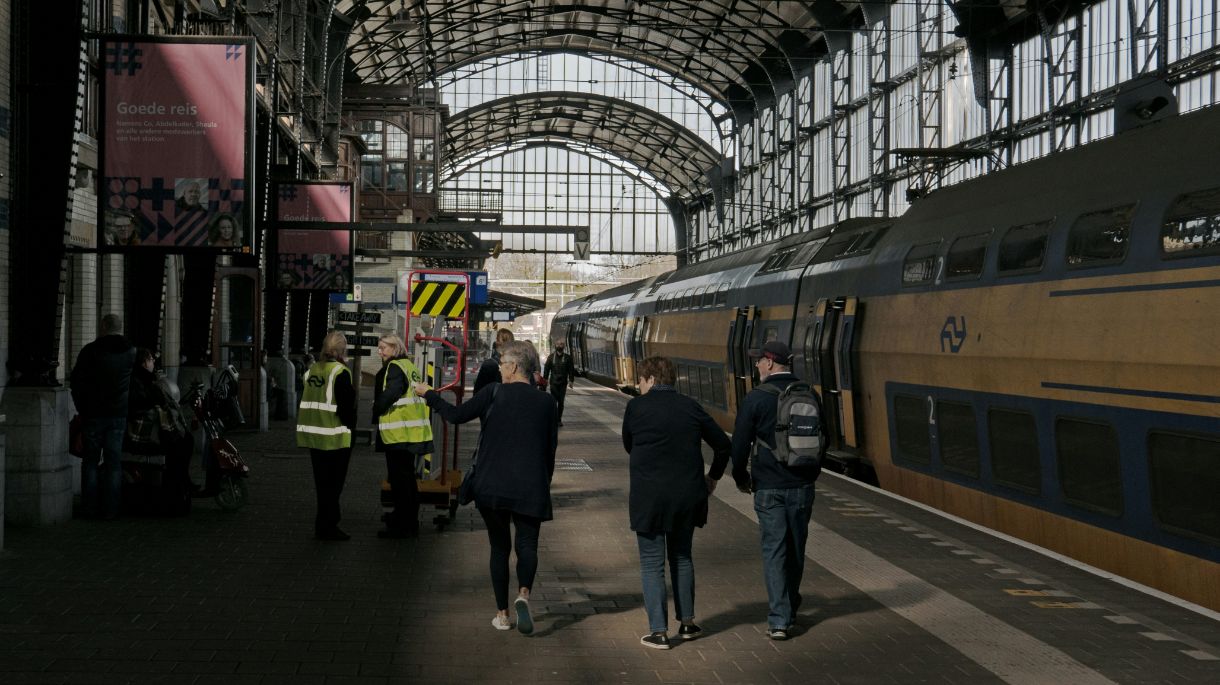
741	331
625	368
831	349
576	343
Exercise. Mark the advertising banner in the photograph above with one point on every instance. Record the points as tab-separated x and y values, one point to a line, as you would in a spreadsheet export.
176	148
314	259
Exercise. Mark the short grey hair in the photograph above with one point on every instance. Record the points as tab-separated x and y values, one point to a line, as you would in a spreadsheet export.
523	353
112	324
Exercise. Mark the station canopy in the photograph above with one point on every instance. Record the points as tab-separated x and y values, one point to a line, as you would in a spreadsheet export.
737	53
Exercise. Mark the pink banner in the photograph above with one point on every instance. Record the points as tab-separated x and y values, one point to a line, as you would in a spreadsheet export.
314	260
175	144
314	202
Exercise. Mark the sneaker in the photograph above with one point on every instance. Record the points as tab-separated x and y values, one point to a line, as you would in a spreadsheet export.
689	631
525	624
777	633
655	640
501	623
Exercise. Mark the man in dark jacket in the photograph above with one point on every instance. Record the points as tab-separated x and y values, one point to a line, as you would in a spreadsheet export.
783	496
489	370
101	381
559	371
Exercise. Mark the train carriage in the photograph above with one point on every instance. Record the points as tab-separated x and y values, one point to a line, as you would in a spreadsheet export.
1037	350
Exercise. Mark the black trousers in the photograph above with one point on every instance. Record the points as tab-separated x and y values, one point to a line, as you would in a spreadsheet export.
559	391
500	537
329	475
400	467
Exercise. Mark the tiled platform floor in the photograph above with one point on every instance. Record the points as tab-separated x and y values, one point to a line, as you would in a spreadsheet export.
893	594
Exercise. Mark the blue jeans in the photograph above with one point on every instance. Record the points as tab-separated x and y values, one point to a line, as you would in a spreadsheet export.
101	482
783	524
653	551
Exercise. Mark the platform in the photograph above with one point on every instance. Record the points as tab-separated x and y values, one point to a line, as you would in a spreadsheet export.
894	593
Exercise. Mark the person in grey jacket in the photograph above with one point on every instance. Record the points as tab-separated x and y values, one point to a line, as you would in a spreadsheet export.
662	430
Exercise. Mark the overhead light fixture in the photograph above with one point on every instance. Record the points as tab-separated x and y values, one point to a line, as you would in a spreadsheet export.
401	21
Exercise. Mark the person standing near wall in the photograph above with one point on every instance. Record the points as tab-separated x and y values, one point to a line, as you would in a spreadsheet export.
489	370
101	382
325	421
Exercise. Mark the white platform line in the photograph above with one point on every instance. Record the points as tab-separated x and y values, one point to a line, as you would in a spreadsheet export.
1010	654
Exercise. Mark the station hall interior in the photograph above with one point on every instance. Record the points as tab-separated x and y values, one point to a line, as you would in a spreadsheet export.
987	229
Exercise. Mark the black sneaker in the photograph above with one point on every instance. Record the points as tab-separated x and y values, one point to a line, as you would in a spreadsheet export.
689	631
655	640
777	633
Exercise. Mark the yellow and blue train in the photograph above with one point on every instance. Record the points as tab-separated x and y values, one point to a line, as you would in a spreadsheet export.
1037	350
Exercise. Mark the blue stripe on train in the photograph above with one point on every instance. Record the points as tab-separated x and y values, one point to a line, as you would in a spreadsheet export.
1132	426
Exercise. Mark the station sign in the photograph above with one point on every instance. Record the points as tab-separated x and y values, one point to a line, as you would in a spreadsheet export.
478	287
359	317
361	341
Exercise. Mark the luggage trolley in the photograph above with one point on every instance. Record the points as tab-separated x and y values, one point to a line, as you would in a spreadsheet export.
443	297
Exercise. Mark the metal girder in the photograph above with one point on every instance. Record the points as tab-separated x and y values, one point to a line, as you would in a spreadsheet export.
736	50
438	227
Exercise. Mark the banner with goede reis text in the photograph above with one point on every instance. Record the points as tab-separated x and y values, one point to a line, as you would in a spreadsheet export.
176	148
314	258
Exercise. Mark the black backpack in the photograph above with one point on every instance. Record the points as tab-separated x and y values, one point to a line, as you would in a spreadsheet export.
799	433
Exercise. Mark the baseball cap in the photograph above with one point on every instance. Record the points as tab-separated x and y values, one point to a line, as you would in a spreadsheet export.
776	351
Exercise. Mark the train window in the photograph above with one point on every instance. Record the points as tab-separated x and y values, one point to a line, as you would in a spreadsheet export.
911	420
705	384
966	256
1192	225
1100	238
1023	248
722	294
709	297
700	296
770	333
1014	450
959	437
918	266
718	386
1185	472
1087	453
684	379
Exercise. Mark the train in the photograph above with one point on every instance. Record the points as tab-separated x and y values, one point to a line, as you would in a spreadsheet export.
1036	350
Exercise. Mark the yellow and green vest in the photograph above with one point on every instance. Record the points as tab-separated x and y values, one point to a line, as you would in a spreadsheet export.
408	420
318	424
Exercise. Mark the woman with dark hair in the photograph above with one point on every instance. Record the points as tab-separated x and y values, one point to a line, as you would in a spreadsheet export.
223	231
512	476
662	430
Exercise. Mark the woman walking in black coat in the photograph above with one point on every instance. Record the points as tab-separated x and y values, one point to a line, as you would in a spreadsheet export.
512	476
662	430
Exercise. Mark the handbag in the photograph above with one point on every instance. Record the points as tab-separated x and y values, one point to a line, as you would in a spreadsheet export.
76	437
143	432
465	494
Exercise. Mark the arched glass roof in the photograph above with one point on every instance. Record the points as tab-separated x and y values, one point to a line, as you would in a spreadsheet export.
666	150
734	50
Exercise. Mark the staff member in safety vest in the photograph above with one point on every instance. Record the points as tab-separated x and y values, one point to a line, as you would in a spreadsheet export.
324	424
404	432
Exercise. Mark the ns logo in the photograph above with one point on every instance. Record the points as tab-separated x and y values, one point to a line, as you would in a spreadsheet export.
316	381
953	334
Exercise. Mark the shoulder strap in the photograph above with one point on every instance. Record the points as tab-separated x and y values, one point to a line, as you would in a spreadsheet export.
769	389
495	387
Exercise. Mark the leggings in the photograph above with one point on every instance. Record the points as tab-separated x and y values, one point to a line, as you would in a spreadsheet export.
498	534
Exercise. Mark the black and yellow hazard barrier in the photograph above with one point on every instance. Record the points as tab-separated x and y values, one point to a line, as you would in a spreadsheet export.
438	299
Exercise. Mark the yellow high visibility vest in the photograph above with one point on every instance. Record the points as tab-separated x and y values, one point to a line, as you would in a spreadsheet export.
318	424
409	419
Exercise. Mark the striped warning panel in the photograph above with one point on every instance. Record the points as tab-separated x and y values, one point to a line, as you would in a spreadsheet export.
438	299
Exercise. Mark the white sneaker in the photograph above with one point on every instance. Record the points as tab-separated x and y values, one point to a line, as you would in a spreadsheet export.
501	623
